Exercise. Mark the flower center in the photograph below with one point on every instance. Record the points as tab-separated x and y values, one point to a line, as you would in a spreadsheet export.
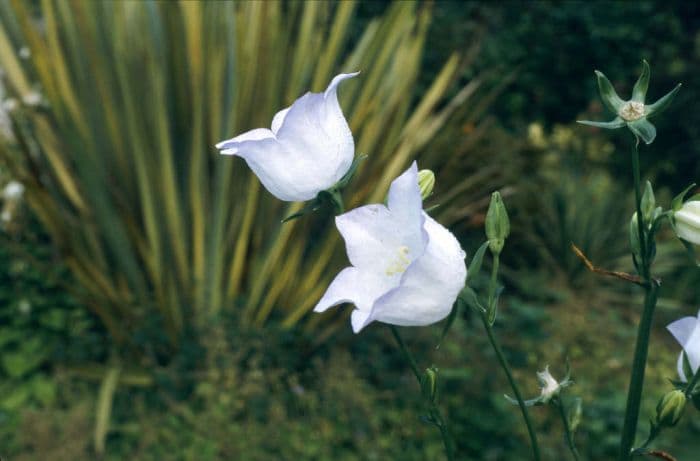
400	263
632	110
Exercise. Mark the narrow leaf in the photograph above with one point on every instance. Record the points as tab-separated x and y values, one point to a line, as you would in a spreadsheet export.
450	320
677	202
104	408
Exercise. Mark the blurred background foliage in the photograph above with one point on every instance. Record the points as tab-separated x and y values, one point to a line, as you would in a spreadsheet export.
153	306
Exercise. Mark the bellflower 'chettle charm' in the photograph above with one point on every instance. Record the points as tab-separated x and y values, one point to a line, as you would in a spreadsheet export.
407	269
687	333
633	113
308	149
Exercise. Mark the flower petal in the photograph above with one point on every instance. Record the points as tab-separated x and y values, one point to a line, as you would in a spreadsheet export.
429	286
687	222
278	120
681	368
662	104
608	94
356	287
230	146
279	169
315	128
640	88
687	333
374	234
643	129
614	124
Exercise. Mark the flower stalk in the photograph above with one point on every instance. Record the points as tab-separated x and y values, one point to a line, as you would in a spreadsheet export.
567	429
434	412
634	395
518	396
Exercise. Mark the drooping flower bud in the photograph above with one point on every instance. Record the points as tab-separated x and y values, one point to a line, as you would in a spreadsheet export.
426	183
497	223
429	384
670	409
687	221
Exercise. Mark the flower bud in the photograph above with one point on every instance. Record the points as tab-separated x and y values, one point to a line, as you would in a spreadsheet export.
426	182
429	384
648	203
670	409
497	223
687	222
634	236
574	414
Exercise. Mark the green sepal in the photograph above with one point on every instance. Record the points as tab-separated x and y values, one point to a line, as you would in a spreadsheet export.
612	125
310	207
469	297
640	88
662	104
677	201
493	308
643	129
690	250
610	98
475	265
351	172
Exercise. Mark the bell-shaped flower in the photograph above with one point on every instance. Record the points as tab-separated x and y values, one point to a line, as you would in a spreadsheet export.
686	221
687	333
406	270
308	148
633	113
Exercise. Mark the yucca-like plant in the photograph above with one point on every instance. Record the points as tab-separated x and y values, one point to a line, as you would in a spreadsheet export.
120	104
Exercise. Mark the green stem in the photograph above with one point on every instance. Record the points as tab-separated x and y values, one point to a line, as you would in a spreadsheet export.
492	289
504	364
435	415
634	395
567	430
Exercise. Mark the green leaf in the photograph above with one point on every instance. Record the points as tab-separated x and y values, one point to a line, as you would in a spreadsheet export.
643	129
612	125
662	104
475	265
640	88
610	98
104	408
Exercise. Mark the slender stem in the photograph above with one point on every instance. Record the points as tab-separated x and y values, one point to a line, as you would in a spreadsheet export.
504	364
435	415
634	394
567	429
492	287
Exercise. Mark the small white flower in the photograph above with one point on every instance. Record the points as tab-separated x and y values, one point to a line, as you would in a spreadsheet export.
13	191
406	268
687	333
550	386
307	150
687	222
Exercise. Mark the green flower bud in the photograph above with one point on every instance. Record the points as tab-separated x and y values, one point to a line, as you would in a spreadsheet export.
574	414
497	223
670	409
648	203
429	383
634	236
426	182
